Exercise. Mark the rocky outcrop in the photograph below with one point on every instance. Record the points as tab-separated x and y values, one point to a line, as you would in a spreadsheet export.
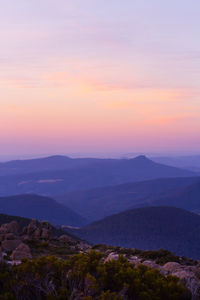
36	234
136	260
30	229
9	233
12	227
151	264
10	245
36	230
9	236
22	251
39	236
36	239
45	233
12	240
112	256
189	276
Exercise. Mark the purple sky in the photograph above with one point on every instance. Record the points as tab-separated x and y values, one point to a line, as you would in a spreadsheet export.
99	76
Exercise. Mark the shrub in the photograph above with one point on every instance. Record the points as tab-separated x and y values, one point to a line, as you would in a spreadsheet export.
86	277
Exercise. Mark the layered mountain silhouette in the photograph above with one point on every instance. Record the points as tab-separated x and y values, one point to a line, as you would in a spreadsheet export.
187	198
41	208
59	175
185	162
98	203
148	228
56	162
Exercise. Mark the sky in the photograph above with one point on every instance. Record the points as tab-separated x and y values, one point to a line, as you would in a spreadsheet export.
99	76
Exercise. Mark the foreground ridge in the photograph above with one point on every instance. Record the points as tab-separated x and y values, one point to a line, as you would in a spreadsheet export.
52	264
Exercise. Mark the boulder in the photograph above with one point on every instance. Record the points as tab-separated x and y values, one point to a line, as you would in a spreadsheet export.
46	230
112	256
135	260
151	264
189	276
171	267
36	234
191	281
3	229
12	227
45	233
38	230
10	245
32	226
22	251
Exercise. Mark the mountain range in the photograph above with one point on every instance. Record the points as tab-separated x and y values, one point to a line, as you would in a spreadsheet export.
187	198
58	175
41	208
98	203
191	163
88	190
55	162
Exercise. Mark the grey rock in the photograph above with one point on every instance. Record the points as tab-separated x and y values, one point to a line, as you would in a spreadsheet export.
12	227
112	256
22	251
10	245
189	276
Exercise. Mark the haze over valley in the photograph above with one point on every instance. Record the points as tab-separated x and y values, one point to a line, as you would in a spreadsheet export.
76	192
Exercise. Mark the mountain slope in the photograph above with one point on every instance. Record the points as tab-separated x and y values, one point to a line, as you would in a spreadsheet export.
41	208
185	162
96	174
187	198
56	162
98	203
148	228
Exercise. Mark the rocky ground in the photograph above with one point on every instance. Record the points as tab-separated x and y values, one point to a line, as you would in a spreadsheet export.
187	270
39	239
35	240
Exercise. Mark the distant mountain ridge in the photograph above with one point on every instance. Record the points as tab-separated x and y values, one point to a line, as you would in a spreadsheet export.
98	203
191	162
187	198
41	208
148	228
80	174
55	162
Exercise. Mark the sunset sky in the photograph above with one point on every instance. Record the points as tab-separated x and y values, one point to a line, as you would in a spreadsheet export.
89	76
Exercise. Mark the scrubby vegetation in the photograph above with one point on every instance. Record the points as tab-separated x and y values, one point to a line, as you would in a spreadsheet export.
160	256
53	247
86	277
